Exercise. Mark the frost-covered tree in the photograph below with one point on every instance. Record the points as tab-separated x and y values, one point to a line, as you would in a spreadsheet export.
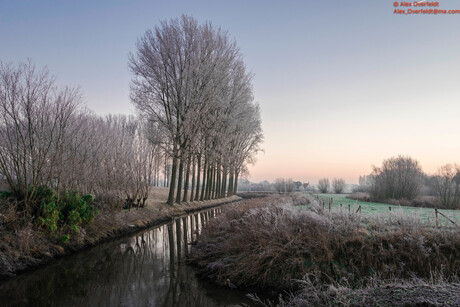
447	185
48	140
190	81
398	178
323	185
338	185
35	116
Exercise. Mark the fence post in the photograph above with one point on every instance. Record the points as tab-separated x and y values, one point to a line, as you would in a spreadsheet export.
436	214
448	219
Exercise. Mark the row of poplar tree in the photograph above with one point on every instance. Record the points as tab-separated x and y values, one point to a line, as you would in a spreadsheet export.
197	121
191	86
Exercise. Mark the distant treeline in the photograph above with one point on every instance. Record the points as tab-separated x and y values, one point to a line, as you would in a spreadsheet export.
402	178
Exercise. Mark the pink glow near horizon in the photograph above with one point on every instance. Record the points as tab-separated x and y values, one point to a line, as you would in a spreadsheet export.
341	85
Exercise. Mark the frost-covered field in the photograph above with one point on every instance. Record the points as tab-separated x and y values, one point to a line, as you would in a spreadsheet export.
371	208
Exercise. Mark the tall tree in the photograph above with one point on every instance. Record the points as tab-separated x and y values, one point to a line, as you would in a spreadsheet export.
190	79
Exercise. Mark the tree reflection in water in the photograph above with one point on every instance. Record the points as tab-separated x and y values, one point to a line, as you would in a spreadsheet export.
146	269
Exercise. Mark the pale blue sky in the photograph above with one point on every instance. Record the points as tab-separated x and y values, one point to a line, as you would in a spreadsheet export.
342	84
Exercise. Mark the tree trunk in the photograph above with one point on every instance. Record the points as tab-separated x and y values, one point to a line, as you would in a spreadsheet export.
218	181
209	183
157	163
172	181
230	183
187	176
179	180
166	172
224	182
197	192
235	184
193	179
203	187
213	188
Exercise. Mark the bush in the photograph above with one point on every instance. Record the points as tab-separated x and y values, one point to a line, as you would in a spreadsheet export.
323	185
338	185
398	178
48	209
6	194
69	209
447	185
77	209
284	185
413	292
49	216
268	242
65	238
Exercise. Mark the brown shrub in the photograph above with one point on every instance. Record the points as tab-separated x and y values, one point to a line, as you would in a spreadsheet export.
265	243
9	217
413	292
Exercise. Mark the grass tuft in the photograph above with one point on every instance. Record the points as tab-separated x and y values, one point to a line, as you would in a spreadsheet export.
268	243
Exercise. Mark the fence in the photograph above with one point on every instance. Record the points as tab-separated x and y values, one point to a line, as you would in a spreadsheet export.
329	202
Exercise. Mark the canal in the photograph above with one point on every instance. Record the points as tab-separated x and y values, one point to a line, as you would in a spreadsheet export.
145	269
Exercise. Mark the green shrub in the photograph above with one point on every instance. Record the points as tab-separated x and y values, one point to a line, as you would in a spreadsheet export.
70	208
76	208
6	194
65	238
50	215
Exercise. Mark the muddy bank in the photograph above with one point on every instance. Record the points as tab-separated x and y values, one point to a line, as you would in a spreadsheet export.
26	249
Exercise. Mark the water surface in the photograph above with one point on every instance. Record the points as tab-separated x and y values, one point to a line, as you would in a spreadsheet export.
145	269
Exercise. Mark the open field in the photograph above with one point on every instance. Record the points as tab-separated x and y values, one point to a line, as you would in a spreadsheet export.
371	208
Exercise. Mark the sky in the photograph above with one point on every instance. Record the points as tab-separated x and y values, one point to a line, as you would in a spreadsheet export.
342	85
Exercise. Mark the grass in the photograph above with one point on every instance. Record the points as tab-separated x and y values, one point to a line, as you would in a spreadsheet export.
412	292
269	243
371	208
27	246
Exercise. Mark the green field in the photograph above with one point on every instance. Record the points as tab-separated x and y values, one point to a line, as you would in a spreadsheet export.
376	208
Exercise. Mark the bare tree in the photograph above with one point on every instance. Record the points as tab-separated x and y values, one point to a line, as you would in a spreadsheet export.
280	185
364	184
447	185
47	139
398	178
323	185
338	185
34	118
290	185
190	81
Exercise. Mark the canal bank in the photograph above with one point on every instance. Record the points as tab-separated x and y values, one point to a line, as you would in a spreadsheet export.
147	268
27	249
